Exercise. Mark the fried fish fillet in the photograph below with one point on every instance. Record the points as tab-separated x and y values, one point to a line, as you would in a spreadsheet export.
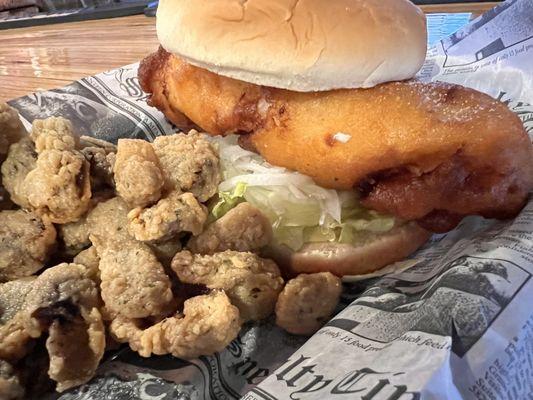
431	152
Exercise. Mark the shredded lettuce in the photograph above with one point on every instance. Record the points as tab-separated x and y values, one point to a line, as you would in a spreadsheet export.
228	200
300	210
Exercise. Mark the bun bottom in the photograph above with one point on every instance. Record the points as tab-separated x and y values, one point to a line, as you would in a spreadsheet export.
346	259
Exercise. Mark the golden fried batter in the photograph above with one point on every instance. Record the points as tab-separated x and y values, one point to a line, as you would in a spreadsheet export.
101	166
165	251
21	159
208	324
15	332
243	228
109	220
11	128
10	387
307	301
178	212
75	235
252	283
138	176
101	156
26	240
29	306
59	187
432	152
13	297
75	349
133	282
63	302
190	163
54	133
89	259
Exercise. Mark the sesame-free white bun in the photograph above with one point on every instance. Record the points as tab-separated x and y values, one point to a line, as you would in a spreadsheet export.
300	45
346	259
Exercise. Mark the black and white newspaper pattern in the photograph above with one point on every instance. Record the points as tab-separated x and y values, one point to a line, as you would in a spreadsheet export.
454	322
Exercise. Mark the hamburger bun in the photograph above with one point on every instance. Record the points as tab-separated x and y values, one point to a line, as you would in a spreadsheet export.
305	45
345	259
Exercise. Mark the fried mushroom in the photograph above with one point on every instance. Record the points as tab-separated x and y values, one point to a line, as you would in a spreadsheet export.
75	235
133	281
307	301
10	386
243	228
11	128
179	212
190	163
138	177
21	159
26	240
109	220
59	187
54	133
208	324
30	306
75	349
89	259
252	283
101	167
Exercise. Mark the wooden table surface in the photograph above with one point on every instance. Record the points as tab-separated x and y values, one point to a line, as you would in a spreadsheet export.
49	56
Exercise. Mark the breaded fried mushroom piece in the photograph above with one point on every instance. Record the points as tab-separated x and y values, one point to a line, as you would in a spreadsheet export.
243	228
59	187
21	159
101	156
31	305
11	128
108	220
89	259
54	133
75	235
75	349
133	281
252	283
209	323
101	167
166	250
179	212
307	302
26	241
138	176
10	386
190	163
65	303
16	331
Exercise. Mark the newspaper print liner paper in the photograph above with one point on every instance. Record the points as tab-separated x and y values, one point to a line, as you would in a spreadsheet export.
457	324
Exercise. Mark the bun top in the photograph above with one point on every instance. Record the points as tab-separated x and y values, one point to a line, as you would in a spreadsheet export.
300	45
